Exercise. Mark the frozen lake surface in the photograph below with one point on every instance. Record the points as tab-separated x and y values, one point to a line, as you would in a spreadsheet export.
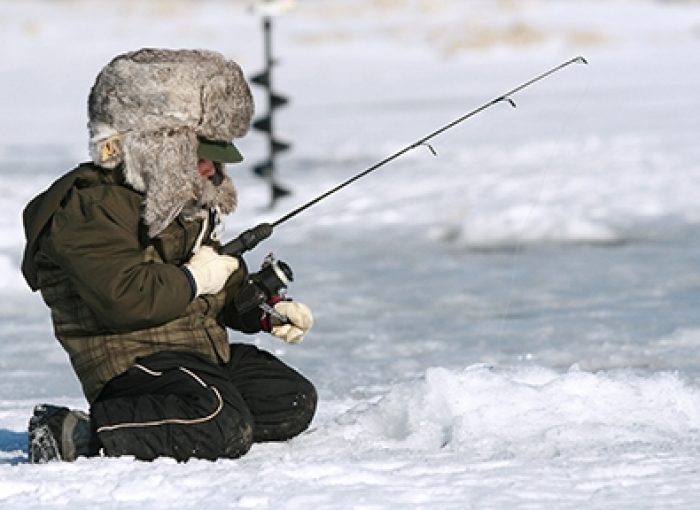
510	324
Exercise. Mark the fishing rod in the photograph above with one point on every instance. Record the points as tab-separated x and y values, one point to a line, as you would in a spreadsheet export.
276	275
252	237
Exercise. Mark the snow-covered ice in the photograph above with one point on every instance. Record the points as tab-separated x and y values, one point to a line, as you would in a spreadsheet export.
510	324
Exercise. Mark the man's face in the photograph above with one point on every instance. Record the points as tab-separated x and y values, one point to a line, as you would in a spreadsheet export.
206	168
210	170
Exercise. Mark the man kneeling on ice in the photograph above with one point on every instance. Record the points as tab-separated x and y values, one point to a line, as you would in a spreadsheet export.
124	251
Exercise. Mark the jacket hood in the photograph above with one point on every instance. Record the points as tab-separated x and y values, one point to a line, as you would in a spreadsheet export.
40	210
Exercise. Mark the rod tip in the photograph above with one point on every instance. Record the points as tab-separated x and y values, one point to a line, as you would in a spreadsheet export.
581	60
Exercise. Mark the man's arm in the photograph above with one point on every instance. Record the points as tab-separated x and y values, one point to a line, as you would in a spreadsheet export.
94	239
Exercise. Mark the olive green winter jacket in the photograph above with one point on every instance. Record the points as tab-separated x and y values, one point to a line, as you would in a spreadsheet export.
115	294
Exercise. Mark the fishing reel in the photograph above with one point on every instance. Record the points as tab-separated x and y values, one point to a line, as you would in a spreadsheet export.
273	279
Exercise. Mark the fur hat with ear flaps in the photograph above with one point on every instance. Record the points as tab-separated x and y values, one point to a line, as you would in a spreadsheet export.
146	110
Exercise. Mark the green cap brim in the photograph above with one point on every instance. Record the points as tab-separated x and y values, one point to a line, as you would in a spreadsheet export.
221	152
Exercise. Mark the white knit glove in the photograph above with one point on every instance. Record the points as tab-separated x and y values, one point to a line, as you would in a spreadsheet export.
210	270
299	321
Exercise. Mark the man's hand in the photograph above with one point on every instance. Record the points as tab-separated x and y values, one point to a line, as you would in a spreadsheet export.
299	321
209	270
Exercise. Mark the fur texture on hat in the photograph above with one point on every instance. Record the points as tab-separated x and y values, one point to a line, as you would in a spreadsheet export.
146	110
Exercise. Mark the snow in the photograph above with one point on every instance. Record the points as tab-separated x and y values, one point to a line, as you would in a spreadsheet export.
510	324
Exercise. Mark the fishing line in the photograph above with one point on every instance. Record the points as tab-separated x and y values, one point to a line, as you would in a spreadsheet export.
561	130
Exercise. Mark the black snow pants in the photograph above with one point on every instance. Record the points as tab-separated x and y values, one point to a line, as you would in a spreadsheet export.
179	405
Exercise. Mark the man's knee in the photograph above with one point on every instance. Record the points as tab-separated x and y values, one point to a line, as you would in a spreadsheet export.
306	402
290	420
236	435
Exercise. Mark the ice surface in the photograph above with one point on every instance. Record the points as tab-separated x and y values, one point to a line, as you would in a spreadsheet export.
510	324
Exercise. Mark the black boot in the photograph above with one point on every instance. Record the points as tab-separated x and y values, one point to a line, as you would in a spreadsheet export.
57	433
